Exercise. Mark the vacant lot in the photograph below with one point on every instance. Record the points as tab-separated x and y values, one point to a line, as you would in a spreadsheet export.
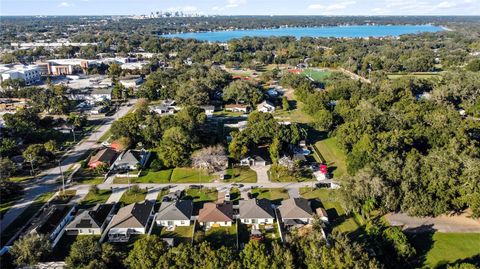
333	155
133	196
439	249
241	174
177	175
96	197
274	195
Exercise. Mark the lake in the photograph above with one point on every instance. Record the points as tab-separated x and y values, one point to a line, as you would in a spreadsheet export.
298	32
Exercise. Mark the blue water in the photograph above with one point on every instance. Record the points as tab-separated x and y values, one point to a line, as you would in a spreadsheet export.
335	31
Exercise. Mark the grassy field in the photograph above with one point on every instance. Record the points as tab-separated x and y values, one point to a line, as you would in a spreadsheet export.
274	195
294	115
87	176
177	175
201	195
317	75
285	177
241	174
93	198
338	218
131	196
28	213
440	249
333	155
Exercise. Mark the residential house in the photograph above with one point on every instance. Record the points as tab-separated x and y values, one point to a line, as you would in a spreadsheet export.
131	159
176	213
295	212
90	95
104	156
237	108
51	221
215	215
91	222
208	110
253	161
130	220
266	107
255	211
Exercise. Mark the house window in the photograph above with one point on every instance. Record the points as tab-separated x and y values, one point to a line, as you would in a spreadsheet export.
226	223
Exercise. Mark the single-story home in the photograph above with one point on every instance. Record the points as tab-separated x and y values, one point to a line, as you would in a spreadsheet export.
237	108
91	222
208	110
215	215
295	212
255	161
131	219
255	211
266	107
176	213
104	156
131	81
51	221
131	159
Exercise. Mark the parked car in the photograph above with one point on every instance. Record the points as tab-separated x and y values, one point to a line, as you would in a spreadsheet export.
195	187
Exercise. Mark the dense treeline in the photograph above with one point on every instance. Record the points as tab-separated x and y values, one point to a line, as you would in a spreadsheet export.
408	148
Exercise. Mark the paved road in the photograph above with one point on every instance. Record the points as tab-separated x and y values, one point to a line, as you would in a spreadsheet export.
47	180
463	223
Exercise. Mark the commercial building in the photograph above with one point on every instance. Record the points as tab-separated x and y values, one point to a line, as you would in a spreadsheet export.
30	74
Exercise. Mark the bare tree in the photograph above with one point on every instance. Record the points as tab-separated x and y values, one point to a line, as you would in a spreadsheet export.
213	158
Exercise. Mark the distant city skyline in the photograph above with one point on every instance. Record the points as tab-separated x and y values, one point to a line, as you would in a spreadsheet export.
241	7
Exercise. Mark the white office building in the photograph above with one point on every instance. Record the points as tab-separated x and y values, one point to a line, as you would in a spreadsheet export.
28	73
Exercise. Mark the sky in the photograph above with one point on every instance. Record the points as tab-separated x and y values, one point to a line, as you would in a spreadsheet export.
241	7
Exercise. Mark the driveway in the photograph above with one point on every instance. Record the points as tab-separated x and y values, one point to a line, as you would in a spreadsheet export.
116	195
293	192
262	176
47	180
82	191
153	193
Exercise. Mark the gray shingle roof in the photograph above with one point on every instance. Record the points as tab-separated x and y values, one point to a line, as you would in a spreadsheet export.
132	216
177	210
256	209
295	208
91	218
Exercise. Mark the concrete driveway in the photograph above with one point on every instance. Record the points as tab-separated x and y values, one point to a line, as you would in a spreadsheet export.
262	176
116	195
153	193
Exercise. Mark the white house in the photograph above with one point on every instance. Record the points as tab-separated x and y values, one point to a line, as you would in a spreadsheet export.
131	219
208	110
175	213
266	107
255	211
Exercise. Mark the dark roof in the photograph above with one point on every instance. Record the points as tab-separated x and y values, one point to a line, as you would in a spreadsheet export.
133	215
256	209
94	218
106	155
177	210
49	219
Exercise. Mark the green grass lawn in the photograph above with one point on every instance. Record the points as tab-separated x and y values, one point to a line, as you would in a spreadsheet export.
333	155
285	177
20	178
130	197
201	195
317	75
220	236
93	198
445	248
294	115
6	204
274	195
24	217
338	217
105	136
181	234
177	175
241	174
87	176
190	175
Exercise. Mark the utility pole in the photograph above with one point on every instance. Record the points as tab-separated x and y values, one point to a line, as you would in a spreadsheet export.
63	176
73	132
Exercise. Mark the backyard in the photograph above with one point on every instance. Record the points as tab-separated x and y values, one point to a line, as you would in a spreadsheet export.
333	155
219	236
327	199
181	234
439	249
